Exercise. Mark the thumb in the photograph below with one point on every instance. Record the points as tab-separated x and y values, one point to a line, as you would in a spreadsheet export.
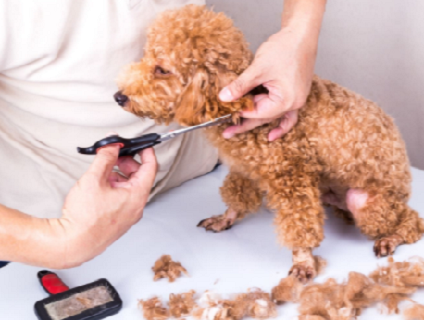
247	81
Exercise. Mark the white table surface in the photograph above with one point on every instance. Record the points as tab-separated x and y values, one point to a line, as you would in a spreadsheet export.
243	257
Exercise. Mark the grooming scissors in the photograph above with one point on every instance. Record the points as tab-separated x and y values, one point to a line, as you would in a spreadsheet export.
129	147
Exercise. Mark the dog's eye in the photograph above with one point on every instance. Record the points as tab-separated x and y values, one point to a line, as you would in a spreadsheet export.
160	71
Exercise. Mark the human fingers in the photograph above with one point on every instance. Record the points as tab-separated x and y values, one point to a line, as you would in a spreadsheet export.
144	177
286	124
128	165
116	177
247	125
270	106
249	79
104	161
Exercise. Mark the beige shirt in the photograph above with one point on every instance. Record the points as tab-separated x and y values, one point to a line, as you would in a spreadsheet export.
58	63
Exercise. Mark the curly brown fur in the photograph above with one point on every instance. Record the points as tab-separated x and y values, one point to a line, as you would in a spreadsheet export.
166	268
343	145
405	274
416	312
153	309
187	61
212	306
255	304
258	304
181	304
288	290
345	301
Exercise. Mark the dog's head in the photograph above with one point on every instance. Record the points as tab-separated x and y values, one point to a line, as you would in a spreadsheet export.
190	55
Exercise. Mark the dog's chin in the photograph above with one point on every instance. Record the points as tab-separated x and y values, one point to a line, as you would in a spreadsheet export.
194	121
126	108
152	113
190	123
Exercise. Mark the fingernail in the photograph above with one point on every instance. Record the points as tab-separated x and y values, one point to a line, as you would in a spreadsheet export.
228	135
225	95
271	138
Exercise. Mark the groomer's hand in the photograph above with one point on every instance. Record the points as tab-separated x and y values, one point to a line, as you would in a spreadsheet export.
284	65
103	205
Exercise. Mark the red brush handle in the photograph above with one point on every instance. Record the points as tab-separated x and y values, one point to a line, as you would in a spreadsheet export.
51	282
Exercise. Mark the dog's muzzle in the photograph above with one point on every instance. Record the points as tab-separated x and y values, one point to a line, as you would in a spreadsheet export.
120	98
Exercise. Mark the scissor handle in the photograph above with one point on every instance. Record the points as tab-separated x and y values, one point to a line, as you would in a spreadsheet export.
128	147
51	283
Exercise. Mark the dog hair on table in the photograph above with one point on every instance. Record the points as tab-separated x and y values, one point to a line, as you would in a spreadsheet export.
153	309
416	312
181	304
387	285
166	268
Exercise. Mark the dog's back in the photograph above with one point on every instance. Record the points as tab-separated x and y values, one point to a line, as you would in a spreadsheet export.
356	142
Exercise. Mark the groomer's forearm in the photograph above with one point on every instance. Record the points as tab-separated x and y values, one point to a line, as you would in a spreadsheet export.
304	18
30	240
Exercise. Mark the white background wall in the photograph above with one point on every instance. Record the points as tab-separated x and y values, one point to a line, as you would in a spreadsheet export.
374	47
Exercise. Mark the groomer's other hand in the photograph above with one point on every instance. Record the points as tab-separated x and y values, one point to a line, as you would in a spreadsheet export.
284	65
103	205
285	68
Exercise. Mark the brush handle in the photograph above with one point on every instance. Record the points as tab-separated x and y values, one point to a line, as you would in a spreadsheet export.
51	283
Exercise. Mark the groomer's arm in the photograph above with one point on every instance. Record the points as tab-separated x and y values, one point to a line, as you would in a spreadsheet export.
99	209
284	65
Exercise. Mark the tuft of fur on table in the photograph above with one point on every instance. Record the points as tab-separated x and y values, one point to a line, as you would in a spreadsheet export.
388	285
416	312
288	290
153	309
166	268
331	300
255	303
181	304
404	274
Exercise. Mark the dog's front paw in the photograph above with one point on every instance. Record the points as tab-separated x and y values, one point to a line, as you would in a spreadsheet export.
387	245
216	223
303	271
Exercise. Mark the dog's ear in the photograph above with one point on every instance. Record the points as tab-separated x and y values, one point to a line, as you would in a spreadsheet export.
191	104
199	101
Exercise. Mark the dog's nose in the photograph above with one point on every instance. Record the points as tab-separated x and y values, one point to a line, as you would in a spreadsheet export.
120	98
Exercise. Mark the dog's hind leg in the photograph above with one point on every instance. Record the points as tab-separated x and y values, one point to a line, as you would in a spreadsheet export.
242	197
385	218
409	230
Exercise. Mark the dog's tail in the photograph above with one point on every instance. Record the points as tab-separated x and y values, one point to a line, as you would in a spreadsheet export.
412	225
421	225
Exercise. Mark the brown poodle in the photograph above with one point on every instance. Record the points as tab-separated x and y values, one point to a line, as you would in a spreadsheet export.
344	151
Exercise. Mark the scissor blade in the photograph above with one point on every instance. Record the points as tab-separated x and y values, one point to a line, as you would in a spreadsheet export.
213	122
